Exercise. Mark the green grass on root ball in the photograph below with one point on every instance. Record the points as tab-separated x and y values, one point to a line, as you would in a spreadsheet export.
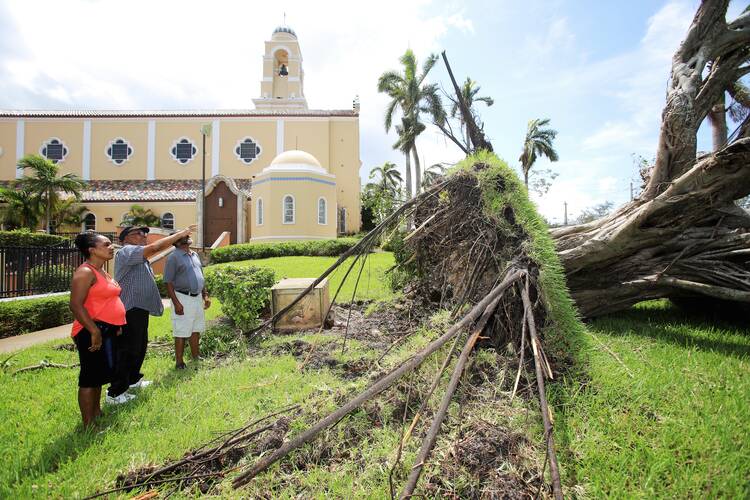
563	331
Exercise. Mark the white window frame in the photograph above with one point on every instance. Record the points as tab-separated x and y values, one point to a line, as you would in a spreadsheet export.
46	142
174	146
325	211
259	215
83	224
341	220
174	219
241	141
283	209
109	145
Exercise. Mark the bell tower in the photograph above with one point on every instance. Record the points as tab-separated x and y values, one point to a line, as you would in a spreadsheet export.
283	77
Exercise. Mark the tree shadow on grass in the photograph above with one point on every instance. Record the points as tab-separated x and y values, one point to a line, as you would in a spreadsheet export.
699	329
76	441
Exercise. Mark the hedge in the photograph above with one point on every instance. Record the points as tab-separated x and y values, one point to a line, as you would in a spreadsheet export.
312	248
48	279
23	316
161	286
242	291
25	238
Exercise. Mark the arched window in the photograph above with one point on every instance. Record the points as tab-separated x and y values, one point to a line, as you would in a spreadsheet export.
288	209
259	212
89	222
342	220
167	220
322	211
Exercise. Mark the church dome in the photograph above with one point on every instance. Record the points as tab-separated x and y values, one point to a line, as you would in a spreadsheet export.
295	160
284	29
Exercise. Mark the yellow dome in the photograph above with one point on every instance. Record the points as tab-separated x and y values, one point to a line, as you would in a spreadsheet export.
296	157
295	161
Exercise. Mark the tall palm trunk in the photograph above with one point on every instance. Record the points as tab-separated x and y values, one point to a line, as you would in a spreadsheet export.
417	170
718	118
408	174
526	178
49	208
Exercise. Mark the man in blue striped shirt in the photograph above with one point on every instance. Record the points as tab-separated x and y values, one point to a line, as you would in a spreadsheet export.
141	298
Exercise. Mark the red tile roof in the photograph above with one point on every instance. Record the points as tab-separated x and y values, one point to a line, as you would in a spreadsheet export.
142	190
205	113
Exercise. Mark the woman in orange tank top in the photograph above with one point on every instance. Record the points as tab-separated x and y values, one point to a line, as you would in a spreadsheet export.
99	314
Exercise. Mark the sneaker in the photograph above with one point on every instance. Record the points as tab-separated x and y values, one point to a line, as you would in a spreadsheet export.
118	400
141	384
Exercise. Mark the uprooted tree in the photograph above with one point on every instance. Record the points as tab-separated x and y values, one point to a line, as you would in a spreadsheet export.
476	245
684	235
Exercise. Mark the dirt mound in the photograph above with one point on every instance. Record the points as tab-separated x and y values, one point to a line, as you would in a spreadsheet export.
316	357
493	457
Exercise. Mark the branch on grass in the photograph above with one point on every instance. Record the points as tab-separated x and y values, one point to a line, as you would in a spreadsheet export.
379	386
554	469
429	440
44	364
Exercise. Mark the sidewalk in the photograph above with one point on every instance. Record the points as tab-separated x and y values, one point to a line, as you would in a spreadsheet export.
19	342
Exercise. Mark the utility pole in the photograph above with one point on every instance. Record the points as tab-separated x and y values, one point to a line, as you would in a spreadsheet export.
205	131
631	190
565	218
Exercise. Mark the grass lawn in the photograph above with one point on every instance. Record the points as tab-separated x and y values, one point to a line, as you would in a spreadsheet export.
673	421
676	428
372	284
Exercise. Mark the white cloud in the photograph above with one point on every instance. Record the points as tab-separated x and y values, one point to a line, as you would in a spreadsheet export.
611	134
639	85
189	54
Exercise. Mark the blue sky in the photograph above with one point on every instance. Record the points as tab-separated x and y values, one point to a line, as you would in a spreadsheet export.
597	69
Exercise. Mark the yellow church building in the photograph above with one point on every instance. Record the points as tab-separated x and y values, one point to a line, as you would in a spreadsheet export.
280	171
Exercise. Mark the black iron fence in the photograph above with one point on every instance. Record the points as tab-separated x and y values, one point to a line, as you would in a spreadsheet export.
37	270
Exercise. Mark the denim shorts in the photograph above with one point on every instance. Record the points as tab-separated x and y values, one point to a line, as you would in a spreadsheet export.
96	367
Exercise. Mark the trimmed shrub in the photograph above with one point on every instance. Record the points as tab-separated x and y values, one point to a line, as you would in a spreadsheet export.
242	291
406	270
23	316
312	248
25	238
47	279
161	285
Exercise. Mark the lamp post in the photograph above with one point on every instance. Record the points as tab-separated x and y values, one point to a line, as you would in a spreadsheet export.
205	132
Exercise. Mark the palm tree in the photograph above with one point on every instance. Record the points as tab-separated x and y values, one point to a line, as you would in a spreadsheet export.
410	94
538	142
68	212
469	91
140	216
408	132
46	184
390	177
20	208
433	174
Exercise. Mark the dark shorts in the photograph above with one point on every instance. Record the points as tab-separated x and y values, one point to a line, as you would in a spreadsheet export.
97	366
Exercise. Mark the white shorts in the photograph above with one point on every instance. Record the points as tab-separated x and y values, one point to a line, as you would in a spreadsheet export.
193	318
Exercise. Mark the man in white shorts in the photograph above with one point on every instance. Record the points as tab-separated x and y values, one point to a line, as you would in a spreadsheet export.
183	275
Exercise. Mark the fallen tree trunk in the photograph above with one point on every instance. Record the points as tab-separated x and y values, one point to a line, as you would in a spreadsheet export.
684	235
689	239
